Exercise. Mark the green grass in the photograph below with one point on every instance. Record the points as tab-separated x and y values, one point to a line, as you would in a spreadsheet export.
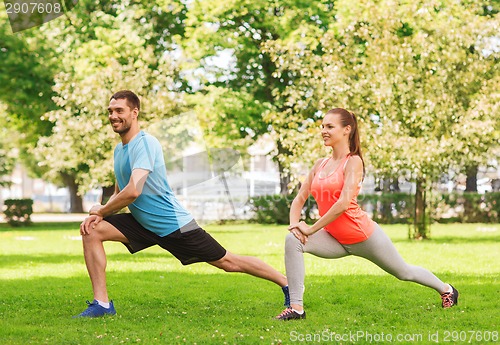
159	301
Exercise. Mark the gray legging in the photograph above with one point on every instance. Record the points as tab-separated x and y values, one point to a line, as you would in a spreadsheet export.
378	248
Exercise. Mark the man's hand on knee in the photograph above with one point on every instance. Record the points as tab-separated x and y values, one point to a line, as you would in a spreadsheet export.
89	223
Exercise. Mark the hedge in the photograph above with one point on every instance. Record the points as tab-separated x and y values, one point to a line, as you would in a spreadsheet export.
18	211
391	208
274	209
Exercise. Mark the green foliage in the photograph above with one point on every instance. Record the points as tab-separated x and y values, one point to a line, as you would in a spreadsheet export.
240	86
391	208
388	208
275	209
103	51
7	151
466	207
398	208
422	79
432	85
18	211
26	79
271	209
56	80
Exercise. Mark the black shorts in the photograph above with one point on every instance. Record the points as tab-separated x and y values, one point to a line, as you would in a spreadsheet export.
189	244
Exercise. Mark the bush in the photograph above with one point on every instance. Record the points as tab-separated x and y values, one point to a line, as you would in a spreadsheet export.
391	208
275	209
492	206
467	207
18	211
388	208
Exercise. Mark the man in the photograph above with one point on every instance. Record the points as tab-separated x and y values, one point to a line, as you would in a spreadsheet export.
156	217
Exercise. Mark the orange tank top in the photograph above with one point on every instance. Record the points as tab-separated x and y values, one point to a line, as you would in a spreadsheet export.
352	226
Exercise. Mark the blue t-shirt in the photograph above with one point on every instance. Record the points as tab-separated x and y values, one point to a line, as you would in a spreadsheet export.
156	209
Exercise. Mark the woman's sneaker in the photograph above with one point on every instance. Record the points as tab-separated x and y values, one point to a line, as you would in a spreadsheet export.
290	314
96	310
450	298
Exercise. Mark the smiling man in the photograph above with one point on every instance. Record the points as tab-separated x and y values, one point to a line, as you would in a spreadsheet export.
156	217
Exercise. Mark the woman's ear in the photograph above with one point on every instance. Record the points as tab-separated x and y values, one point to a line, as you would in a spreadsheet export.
347	130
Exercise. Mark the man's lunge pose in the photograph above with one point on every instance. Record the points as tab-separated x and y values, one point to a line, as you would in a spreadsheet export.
156	217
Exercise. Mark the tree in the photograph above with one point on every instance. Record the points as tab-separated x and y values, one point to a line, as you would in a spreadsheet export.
101	52
26	80
7	149
238	83
421	76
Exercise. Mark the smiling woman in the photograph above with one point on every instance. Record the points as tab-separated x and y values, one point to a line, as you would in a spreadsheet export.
343	229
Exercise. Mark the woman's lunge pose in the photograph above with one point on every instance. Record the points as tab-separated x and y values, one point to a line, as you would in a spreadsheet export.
343	228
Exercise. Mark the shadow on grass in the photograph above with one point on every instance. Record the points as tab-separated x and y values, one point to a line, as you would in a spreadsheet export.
13	261
475	238
17	260
211	227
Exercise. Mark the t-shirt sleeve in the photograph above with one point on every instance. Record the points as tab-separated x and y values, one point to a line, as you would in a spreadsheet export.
142	156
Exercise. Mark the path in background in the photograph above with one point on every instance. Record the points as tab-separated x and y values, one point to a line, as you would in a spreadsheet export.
54	217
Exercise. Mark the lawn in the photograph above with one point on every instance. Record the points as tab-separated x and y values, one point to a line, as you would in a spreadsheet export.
159	301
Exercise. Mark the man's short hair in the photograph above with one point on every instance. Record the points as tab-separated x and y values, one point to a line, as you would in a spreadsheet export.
132	99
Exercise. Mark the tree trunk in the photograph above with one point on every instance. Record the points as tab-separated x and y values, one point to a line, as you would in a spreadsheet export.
471	181
386	207
421	220
284	179
395	185
284	174
76	201
471	213
106	193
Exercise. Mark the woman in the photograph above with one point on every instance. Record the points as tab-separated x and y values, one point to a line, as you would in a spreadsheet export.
343	228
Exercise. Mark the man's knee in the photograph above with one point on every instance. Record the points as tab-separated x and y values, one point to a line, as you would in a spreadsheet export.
101	232
229	263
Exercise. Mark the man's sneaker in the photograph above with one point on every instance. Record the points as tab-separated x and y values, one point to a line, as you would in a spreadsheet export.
287	296
96	310
290	314
450	298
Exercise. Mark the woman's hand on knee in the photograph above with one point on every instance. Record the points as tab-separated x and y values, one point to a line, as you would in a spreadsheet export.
299	235
300	231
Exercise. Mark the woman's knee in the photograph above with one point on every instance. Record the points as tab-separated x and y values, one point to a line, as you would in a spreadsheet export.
292	242
405	274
